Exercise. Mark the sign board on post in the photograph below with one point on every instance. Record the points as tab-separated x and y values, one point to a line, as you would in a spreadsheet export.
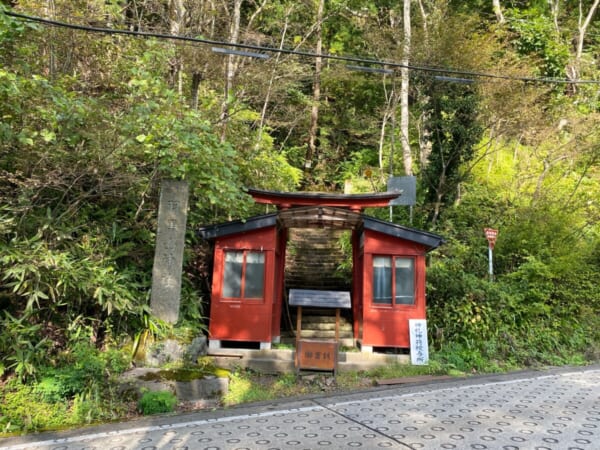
408	187
419	345
491	235
315	354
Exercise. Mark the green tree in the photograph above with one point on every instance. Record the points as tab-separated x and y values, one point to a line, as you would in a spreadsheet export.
455	131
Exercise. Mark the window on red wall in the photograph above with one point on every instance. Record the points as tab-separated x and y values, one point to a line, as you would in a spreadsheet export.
244	274
393	280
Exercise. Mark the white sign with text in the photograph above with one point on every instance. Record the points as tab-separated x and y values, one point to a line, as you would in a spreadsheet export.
419	346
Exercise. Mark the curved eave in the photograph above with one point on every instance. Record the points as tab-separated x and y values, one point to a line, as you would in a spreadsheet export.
429	240
352	201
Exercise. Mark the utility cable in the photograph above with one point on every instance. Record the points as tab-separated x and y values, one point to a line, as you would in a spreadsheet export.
348	59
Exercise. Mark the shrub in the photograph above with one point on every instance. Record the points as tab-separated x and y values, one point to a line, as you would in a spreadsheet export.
157	402
22	410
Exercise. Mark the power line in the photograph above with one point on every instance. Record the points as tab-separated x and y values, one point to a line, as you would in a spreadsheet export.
350	59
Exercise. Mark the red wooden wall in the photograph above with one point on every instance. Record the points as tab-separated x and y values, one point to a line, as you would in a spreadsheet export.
387	325
244	319
258	320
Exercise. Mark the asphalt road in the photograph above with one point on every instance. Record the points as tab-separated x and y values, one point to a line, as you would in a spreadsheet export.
552	409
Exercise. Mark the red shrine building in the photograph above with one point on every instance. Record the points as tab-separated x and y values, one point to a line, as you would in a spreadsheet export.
250	288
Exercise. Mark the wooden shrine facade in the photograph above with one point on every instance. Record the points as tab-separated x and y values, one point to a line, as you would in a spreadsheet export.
388	268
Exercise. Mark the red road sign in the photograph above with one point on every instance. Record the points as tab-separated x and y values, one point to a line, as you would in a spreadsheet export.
491	235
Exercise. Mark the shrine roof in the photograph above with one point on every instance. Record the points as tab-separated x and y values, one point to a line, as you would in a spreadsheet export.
429	240
311	217
237	226
354	202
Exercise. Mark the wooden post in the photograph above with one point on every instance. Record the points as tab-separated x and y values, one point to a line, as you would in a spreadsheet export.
298	336
337	325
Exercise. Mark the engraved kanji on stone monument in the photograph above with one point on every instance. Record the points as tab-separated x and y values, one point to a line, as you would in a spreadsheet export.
168	255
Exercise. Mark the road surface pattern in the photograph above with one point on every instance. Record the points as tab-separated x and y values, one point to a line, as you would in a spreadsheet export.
547	410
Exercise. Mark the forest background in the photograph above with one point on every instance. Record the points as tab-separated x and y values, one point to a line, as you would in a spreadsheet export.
494	106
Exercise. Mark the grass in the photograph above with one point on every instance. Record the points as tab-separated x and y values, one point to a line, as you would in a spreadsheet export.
157	402
185	374
284	346
246	385
249	386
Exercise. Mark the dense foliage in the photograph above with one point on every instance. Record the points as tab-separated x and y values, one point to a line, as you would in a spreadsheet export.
90	123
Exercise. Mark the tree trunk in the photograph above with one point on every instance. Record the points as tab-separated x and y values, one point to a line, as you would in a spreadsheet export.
404	111
583	27
437	206
234	35
424	17
49	12
389	115
573	69
498	11
554	10
425	144
177	14
386	116
313	134
263	112
196	80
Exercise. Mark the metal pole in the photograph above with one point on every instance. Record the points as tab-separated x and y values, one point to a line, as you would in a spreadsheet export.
491	271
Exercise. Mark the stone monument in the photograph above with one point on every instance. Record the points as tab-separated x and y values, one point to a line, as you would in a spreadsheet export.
168	255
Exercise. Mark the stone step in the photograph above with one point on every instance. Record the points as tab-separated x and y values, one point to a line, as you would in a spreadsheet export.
319	279
323	257
315	326
315	271
308	311
314	259
307	284
278	361
345	341
323	315
329	253
325	334
308	319
321	283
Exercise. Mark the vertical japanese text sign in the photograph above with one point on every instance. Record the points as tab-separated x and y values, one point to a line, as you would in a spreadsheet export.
168	255
419	345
